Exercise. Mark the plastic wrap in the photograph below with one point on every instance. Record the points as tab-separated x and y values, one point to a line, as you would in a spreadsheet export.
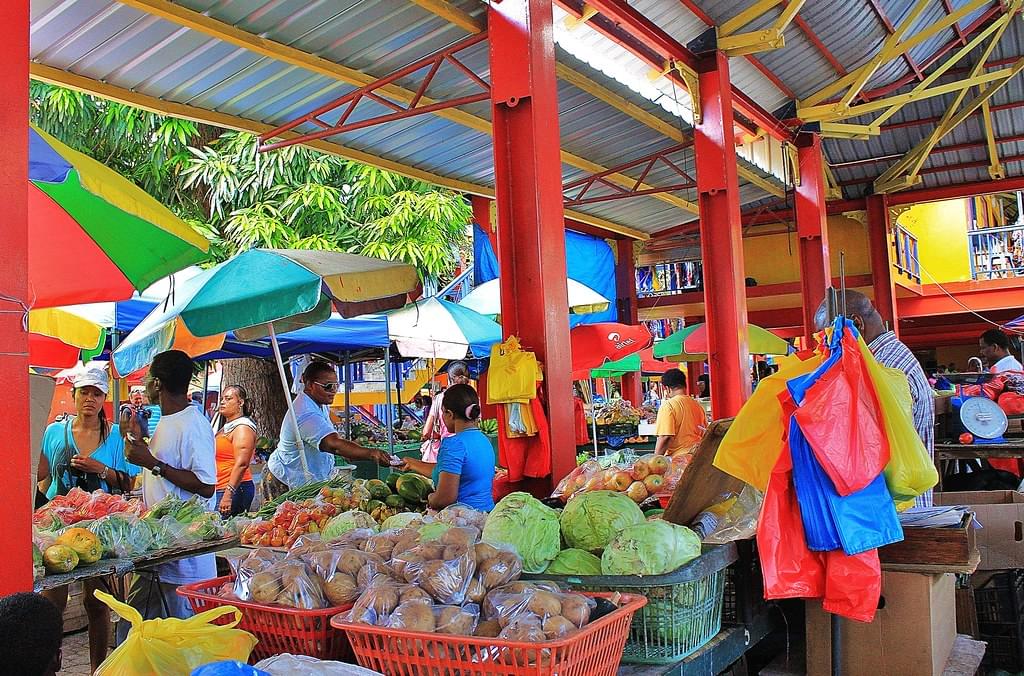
523	607
443	568
307	544
462	516
377	602
289	583
168	532
122	536
496	566
345	572
353	539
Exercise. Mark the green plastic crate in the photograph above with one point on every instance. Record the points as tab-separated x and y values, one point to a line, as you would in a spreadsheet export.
683	611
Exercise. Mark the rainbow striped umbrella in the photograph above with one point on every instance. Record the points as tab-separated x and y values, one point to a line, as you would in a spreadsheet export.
93	235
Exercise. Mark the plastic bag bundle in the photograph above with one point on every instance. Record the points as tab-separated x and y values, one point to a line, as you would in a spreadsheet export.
346	572
174	646
536	612
123	535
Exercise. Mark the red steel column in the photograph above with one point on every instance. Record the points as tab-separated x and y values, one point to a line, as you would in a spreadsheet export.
16	485
812	228
625	287
528	187
881	268
721	239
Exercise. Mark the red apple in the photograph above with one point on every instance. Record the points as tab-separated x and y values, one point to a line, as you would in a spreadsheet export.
593	484
654	483
659	464
637	492
619	482
640	470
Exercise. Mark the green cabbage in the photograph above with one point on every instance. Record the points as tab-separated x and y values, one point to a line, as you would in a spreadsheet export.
346	521
574	562
591	520
650	548
400	520
522	521
433	531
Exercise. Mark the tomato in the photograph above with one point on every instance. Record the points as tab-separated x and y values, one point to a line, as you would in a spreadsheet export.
325	492
966	438
329	510
276	542
302	518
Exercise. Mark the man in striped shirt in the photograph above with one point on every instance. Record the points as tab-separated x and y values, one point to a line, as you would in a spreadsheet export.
891	352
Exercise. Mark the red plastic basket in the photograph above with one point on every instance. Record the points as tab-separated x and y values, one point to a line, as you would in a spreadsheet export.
593	651
279	630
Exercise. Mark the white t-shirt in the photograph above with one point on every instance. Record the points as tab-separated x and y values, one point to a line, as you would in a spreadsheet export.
1007	363
183	440
314	424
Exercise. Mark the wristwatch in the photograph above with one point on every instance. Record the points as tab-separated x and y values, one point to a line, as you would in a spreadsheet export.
158	469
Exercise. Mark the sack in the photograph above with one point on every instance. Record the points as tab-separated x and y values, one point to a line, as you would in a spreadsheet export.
910	471
512	375
753	444
172	645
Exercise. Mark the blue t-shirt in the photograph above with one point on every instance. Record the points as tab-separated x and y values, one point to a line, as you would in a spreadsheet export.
469	455
110	452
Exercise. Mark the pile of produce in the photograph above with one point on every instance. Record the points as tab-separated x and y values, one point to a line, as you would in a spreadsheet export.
289	521
79	505
489	427
605	533
616	411
170	524
647	477
336	491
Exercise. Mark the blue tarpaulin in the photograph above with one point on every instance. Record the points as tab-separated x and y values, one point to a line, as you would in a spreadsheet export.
589	260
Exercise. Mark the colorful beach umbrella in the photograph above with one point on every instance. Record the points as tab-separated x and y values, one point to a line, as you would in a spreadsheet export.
594	344
642	362
434	328
486	299
94	235
691	343
262	292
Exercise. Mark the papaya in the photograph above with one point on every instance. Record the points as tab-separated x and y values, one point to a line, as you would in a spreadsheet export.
395	501
60	559
84	542
378	489
392	481
413	488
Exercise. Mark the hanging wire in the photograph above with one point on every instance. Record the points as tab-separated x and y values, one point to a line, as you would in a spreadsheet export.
956	300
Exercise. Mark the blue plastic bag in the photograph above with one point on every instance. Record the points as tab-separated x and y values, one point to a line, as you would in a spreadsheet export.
228	668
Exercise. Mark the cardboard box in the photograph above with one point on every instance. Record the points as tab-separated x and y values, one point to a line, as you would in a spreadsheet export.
1001	516
912	633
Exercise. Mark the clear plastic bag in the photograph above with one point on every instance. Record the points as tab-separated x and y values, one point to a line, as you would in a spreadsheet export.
443	568
122	536
310	543
353	539
496	566
377	602
738	519
346	572
528	606
462	516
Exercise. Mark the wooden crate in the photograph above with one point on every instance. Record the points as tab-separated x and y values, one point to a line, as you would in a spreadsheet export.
934	546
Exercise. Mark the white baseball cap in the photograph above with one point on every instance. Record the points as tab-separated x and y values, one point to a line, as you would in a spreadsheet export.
93	376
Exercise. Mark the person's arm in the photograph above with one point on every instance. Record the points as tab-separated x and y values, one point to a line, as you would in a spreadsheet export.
418	466
661	445
139	454
446	493
243	440
333	443
428	426
665	427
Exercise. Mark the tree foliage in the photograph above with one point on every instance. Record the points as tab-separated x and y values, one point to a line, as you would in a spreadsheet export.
239	198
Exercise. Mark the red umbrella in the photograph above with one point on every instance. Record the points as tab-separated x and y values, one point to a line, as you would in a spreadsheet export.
594	344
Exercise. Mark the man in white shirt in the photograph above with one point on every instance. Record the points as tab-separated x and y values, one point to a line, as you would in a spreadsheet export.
319	442
179	460
995	349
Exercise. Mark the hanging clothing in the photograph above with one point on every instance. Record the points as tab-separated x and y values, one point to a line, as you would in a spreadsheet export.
513	373
580	425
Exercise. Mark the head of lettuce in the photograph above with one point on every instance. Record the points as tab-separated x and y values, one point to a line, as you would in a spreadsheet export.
525	523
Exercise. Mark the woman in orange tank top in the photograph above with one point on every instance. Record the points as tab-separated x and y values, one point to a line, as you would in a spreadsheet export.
236	443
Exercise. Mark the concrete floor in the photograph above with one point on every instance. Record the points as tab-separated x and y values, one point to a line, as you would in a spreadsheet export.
75	655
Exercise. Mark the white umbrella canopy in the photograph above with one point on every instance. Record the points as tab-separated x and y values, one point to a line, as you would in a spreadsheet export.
486	299
435	328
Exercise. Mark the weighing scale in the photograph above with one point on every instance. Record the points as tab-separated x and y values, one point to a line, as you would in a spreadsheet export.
978	415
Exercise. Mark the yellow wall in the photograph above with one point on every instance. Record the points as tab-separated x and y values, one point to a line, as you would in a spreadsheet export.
941	231
775	259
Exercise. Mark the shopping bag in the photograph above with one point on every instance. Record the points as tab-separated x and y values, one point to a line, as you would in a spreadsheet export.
856	451
853	585
754	442
910	471
512	374
788	567
174	646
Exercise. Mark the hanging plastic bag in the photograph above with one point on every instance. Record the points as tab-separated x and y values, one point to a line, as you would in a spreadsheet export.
513	373
754	442
172	645
910	471
853	585
855	452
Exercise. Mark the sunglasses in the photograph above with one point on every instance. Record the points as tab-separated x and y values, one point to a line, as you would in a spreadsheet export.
328	387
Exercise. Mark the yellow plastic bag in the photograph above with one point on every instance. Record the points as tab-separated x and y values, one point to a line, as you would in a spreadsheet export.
173	646
512	375
910	471
752	445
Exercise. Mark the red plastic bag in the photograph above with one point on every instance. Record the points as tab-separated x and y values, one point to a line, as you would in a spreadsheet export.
855	453
853	584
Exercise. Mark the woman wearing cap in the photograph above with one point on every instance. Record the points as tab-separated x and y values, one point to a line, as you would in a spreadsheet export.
464	471
86	451
236	443
434	429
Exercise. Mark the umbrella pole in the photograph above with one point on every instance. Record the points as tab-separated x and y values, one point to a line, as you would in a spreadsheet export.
206	383
288	398
593	413
348	397
388	413
114	336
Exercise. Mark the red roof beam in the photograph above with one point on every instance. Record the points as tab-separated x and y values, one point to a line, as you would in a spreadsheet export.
943	169
884	18
937	151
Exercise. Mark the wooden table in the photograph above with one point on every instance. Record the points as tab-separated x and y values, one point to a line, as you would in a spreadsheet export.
1013	448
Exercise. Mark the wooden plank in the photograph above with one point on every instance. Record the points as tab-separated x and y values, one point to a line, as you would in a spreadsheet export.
702	484
965	660
936	569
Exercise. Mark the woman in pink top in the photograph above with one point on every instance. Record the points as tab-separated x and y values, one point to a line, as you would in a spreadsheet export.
434	429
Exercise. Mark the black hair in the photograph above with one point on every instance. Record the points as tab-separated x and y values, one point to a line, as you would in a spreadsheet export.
31	631
314	369
462	402
102	415
244	396
996	338
674	379
174	369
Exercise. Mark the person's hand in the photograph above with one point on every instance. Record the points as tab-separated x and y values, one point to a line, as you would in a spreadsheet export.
225	503
405	466
87	465
129	425
137	452
382	457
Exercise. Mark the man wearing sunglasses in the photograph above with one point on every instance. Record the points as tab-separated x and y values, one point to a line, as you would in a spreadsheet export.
319	442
